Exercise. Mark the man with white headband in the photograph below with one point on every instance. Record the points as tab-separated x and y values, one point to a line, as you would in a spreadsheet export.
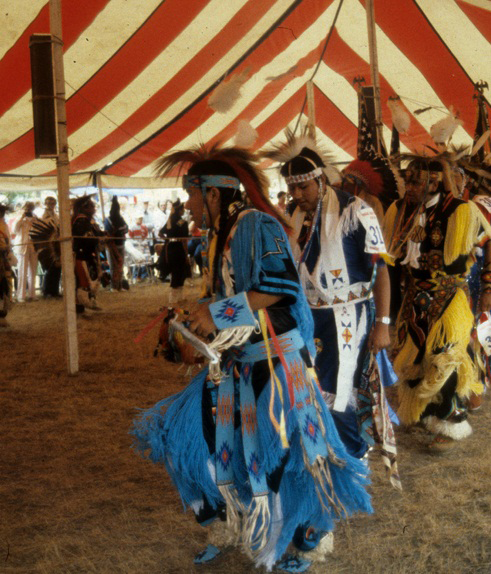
338	247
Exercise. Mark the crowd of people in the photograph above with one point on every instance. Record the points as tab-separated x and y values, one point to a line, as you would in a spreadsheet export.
128	246
269	443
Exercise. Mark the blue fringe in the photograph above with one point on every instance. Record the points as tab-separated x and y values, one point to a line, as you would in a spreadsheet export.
349	481
171	433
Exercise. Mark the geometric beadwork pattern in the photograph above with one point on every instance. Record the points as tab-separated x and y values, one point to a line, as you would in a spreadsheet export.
225	409
311	429
225	455
249	419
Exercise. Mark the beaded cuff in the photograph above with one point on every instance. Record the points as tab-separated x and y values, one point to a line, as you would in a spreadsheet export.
233	312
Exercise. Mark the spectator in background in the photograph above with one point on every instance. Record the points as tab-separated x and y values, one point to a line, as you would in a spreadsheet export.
27	255
86	234
162	214
6	257
38	209
52	265
173	258
281	205
116	229
149	222
139	235
148	217
194	247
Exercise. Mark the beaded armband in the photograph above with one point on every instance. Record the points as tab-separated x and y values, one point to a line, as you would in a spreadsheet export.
233	312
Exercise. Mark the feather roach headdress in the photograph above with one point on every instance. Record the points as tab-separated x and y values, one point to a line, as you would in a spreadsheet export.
380	178
458	166
477	172
301	159
241	162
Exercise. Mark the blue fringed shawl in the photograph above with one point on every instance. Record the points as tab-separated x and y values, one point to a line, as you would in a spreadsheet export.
247	242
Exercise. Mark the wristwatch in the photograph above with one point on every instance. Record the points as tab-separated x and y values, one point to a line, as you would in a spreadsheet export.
384	320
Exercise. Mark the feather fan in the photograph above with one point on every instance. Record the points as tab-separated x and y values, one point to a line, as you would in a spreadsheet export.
45	236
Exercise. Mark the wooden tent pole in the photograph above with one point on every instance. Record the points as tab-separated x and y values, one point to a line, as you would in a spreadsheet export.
63	171
311	109
372	47
101	198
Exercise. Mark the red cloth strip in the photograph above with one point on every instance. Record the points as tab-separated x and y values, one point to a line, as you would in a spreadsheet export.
279	352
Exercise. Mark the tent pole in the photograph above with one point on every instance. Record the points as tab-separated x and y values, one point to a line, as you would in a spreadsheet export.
63	171
101	198
372	47
311	109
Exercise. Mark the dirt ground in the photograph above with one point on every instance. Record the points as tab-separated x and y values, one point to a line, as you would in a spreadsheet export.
75	498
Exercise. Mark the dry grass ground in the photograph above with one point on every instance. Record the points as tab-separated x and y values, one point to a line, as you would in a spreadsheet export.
74	498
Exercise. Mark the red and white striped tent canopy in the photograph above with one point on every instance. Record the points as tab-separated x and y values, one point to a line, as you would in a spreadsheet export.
139	74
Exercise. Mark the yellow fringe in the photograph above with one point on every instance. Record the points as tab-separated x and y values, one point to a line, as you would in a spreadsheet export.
388	226
280	427
462	232
206	285
453	328
404	361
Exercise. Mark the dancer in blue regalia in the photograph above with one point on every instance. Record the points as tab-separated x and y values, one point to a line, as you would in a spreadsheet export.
251	445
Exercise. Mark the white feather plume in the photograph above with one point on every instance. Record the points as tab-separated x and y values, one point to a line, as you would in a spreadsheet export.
227	92
246	135
444	129
400	118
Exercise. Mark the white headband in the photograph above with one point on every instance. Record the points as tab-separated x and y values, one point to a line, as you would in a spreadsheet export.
317	172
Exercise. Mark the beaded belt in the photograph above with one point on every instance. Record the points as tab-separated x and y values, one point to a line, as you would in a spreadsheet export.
252	352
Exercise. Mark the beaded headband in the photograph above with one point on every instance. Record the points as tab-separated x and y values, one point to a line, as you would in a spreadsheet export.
317	172
204	181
